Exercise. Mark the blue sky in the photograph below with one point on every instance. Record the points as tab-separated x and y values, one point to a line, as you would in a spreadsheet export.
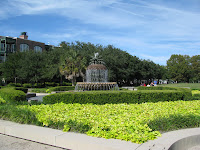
148	29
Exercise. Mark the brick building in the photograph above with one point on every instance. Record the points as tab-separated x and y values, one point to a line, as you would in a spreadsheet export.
21	44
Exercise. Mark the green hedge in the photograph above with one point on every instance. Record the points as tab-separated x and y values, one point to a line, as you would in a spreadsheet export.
61	88
66	84
157	88
11	95
25	90
115	97
14	85
39	90
27	85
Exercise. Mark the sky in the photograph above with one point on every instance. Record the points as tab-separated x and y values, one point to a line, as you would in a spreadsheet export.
149	29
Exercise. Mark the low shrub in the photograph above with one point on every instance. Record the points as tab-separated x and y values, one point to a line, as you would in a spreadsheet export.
25	90
18	114
156	88
195	92
39	90
61	88
38	85
66	84
13	85
27	85
11	95
51	84
115	97
2	101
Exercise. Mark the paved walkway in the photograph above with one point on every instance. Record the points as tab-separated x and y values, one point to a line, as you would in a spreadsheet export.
195	148
38	97
13	143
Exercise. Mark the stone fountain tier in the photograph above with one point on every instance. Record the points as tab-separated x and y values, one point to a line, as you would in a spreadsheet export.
90	86
96	73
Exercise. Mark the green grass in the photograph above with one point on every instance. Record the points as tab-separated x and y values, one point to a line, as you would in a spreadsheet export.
137	123
183	85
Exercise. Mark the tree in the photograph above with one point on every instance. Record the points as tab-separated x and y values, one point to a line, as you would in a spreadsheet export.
178	67
195	68
122	67
10	67
72	66
52	63
32	65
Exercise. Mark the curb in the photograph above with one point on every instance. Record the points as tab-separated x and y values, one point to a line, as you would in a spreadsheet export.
174	140
67	140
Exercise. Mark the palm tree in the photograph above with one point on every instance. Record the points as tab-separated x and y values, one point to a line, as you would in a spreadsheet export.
72	66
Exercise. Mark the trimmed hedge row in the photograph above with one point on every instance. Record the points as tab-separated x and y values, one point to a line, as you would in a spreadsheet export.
157	88
25	90
11	95
61	88
38	85
115	97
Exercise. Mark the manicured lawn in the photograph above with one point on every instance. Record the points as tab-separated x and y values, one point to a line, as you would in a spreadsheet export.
190	85
131	122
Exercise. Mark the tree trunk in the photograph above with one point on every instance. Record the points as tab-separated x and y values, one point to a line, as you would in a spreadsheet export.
73	81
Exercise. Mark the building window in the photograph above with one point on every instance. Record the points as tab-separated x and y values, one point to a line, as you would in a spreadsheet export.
7	47
2	46
38	49
24	47
13	48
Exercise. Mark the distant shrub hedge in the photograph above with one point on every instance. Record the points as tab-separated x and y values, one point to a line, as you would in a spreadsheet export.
66	84
115	97
27	85
156	88
11	95
51	84
13	85
61	88
25	90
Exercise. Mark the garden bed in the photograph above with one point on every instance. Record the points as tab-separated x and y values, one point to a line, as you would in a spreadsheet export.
131	122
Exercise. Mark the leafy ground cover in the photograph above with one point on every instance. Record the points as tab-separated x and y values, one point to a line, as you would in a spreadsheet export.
131	122
195	92
190	85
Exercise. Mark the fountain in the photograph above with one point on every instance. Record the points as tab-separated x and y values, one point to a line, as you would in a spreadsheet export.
96	77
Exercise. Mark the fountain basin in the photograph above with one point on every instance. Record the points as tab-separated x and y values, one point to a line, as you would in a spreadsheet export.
90	86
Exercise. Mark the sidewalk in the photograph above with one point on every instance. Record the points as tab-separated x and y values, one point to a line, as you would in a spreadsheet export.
187	138
13	143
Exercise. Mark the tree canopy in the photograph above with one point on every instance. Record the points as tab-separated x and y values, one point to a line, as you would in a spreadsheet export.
183	68
70	60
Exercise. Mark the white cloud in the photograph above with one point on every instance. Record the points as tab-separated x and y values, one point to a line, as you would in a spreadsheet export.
156	59
140	27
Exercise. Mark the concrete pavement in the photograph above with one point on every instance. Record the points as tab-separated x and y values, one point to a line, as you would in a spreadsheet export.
13	143
175	140
38	97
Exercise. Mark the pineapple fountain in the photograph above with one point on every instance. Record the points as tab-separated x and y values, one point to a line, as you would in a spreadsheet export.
96	77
